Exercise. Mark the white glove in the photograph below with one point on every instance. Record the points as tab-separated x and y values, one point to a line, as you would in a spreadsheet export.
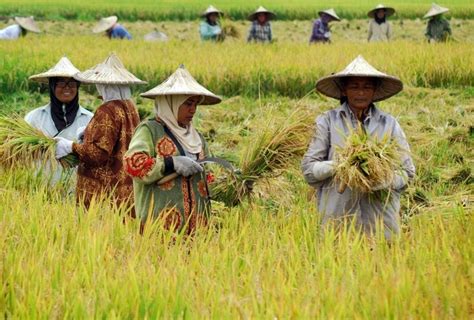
398	182
323	170
327	35
186	166
80	133
63	147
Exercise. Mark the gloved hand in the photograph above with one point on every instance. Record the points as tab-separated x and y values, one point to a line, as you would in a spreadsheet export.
399	181
186	166
327	35
63	147
80	133
323	170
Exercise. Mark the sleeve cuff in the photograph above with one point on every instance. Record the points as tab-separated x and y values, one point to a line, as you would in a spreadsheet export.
169	165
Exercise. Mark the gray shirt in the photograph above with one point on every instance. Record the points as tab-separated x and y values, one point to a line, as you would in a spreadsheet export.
331	129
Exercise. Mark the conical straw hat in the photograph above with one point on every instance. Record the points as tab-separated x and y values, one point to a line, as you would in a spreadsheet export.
28	23
64	68
181	82
435	10
211	9
331	13
261	9
111	71
156	36
105	24
331	86
389	11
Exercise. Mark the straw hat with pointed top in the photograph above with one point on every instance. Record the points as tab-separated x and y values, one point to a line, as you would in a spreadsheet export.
111	71
181	82
389	11
211	9
388	86
156	35
331	13
435	10
28	23
64	68
105	24
261	9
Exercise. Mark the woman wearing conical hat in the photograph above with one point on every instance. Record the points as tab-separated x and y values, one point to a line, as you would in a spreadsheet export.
321	30
438	28
210	29
19	29
380	29
357	88
106	138
168	146
112	29
261	29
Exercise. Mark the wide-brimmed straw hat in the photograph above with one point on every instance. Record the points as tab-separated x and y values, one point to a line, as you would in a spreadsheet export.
64	69
389	11
181	82
156	36
28	23
435	10
111	71
211	9
331	13
105	24
332	85
261	9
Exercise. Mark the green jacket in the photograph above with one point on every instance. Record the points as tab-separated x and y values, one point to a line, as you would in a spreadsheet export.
438	29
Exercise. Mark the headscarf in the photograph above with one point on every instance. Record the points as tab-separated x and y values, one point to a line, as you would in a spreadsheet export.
167	110
63	114
111	92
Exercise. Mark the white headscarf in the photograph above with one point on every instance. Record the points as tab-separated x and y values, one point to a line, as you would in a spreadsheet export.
167	110
111	92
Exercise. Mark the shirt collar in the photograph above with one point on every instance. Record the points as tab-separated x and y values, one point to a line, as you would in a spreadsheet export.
372	112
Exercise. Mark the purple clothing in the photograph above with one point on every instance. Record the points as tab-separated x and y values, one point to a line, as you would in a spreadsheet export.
119	32
320	32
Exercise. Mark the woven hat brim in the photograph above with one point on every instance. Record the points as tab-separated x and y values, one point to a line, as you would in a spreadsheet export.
90	77
28	24
388	12
253	16
209	99
104	25
436	13
44	77
220	13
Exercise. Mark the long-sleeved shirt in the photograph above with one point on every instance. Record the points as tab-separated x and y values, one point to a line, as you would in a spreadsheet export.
379	32
260	33
209	32
119	32
321	32
331	129
438	29
11	32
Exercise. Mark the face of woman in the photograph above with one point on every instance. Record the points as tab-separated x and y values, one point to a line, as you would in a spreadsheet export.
380	13
262	17
359	92
187	110
212	17
65	89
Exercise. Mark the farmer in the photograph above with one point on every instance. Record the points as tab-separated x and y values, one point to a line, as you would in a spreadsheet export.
113	30
321	31
380	29
169	146
19	29
107	136
438	29
261	29
358	86
209	28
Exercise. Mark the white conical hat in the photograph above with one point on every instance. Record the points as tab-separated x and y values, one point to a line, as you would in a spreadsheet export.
28	23
211	9
331	86
261	9
435	10
105	24
181	82
64	68
111	71
331	13
156	36
389	11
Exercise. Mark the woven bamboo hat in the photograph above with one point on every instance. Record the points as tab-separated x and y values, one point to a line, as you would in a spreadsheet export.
111	71
156	36
105	24
331	13
261	9
211	9
28	23
64	68
389	11
181	82
435	10
388	86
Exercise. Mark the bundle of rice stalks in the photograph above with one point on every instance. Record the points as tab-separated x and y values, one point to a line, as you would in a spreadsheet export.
230	30
366	162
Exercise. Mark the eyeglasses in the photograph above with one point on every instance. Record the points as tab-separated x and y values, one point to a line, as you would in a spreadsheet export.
64	84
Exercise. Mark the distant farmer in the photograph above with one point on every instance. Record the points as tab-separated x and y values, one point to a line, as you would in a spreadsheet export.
438	29
261	29
209	28
19	29
113	30
357	87
380	29
321	30
169	144
107	136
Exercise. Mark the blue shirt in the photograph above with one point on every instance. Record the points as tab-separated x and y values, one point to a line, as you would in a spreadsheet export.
119	32
209	32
